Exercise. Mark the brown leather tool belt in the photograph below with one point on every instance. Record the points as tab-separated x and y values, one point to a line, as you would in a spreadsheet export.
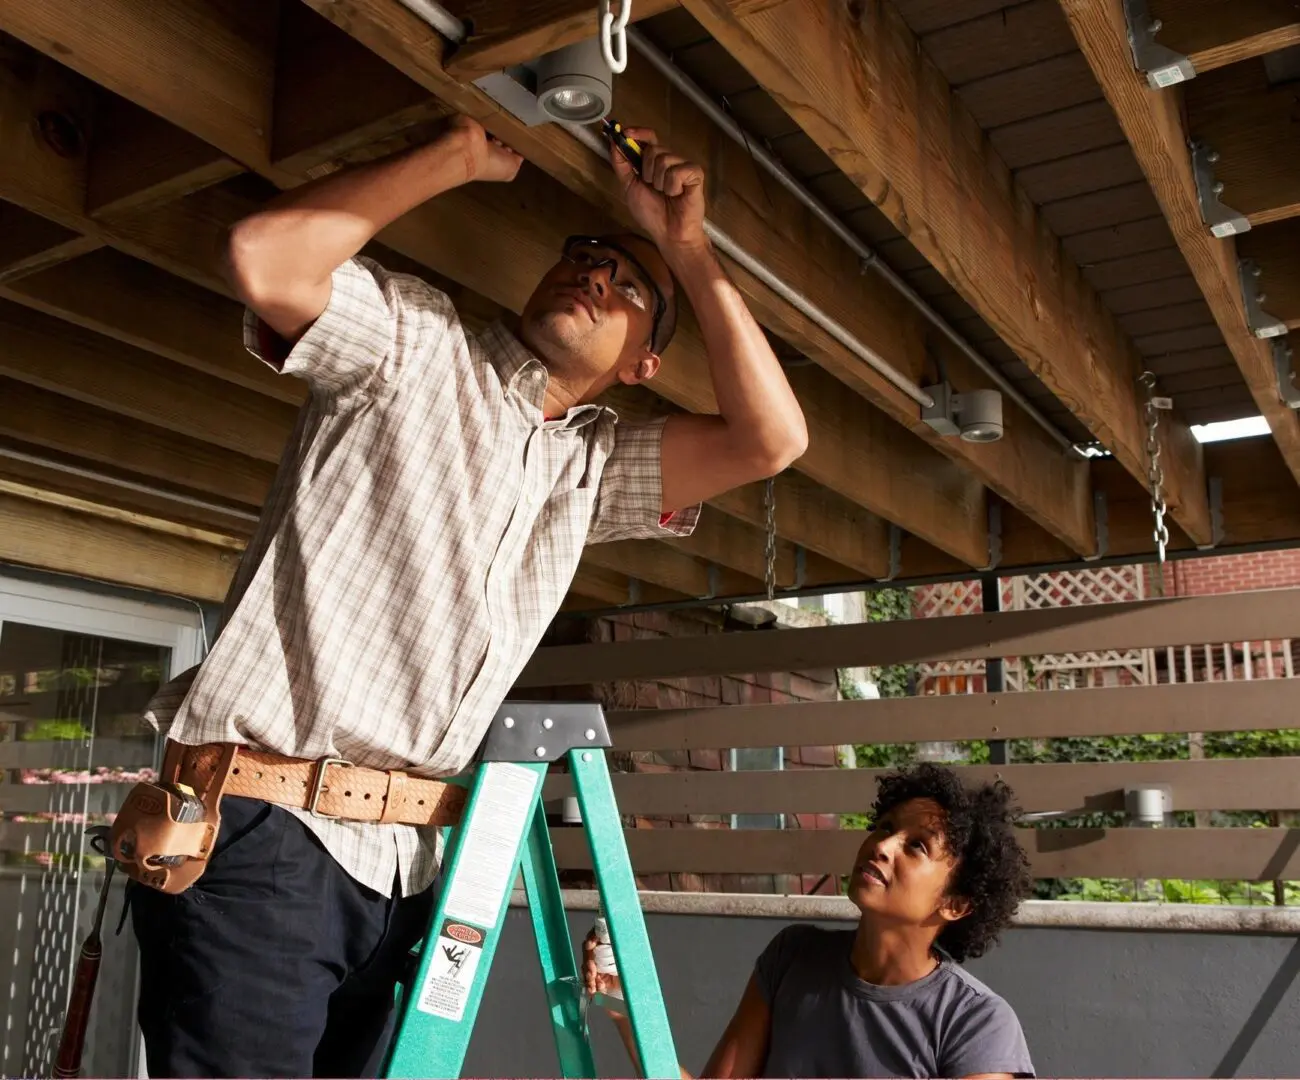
166	831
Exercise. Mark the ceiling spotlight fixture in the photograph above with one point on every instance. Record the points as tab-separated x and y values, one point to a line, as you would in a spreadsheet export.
574	84
975	415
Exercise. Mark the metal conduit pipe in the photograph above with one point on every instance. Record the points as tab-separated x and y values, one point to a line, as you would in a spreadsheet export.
588	137
130	485
864	251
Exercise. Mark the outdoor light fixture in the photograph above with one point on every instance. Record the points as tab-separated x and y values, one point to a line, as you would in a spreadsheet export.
574	84
975	415
1148	807
571	85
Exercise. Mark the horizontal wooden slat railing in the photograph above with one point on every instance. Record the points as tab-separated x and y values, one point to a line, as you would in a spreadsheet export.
1223	854
1135	710
1192	620
1234	784
1213	784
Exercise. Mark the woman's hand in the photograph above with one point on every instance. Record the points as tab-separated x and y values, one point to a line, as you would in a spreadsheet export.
598	982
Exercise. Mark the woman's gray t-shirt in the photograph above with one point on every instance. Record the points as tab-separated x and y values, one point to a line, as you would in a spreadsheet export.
827	1022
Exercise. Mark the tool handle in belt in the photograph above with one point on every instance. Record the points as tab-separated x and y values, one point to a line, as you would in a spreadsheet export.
68	1060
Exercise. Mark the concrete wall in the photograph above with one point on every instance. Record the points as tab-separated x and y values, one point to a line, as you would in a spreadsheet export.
1092	1002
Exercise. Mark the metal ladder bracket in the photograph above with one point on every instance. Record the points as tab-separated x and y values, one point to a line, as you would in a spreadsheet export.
995	536
544	730
1261	323
895	552
1215	488
1101	523
1162	66
1222	220
1286	387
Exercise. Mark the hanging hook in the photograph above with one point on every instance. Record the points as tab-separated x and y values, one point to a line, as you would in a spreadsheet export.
613	35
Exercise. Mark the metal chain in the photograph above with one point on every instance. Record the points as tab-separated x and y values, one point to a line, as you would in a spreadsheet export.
613	35
1156	474
769	507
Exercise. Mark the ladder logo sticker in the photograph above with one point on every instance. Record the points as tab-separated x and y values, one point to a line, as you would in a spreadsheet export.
464	933
450	977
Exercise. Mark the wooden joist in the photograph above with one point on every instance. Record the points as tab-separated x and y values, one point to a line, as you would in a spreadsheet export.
1276	250
1136	710
1258	616
1221	854
857	81
55	538
1251	125
1215	33
507	32
1153	124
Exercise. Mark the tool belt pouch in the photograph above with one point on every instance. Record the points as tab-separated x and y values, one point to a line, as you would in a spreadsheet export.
165	832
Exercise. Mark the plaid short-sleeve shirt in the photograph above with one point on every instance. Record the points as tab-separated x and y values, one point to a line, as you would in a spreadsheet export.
423	526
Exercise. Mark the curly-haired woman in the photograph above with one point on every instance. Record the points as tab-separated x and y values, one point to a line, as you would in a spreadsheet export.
937	879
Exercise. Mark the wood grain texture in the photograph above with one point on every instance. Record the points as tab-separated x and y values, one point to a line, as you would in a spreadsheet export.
1255	129
1179	707
208	68
662	565
55	538
507	32
1258	616
137	304
55	356
1213	34
98	438
1276	248
896	129
1245	784
1224	854
1153	125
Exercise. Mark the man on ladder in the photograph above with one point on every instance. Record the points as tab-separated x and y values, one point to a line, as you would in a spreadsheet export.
425	523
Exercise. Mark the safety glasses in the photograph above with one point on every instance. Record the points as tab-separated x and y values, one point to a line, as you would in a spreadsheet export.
592	252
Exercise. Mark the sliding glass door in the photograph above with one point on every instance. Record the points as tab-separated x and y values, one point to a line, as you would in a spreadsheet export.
76	670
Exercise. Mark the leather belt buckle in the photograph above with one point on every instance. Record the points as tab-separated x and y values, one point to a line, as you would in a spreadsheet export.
318	785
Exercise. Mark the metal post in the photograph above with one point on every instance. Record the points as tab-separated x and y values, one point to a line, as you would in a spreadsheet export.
994	673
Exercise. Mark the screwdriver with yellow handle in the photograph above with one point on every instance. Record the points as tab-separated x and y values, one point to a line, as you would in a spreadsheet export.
626	145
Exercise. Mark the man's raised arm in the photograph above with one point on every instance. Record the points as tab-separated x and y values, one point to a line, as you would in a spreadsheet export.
759	429
280	259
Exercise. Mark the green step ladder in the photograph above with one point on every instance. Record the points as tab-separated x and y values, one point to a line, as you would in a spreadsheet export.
503	831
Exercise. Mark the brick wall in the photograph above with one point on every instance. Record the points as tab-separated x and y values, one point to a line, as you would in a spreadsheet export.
702	692
1213	575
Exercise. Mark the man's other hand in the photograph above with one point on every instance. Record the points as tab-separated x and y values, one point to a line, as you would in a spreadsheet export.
486	157
667	199
593	981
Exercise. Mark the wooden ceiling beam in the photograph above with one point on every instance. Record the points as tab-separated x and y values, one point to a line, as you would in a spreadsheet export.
507	32
55	356
855	78
730	542
140	305
1276	248
99	439
1152	123
1253	128
1025	467
56	538
1213	34
660	564
30	243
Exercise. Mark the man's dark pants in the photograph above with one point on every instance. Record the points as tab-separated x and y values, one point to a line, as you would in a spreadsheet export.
275	963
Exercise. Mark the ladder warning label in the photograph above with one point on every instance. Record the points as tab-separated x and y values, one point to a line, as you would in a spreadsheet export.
450	978
489	850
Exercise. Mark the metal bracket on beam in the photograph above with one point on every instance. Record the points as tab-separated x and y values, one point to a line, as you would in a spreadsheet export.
1101	522
1160	64
1286	387
800	566
713	578
633	590
995	536
895	552
1215	486
1261	323
1221	220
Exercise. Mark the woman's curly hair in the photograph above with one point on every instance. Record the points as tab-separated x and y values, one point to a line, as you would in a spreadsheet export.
992	870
